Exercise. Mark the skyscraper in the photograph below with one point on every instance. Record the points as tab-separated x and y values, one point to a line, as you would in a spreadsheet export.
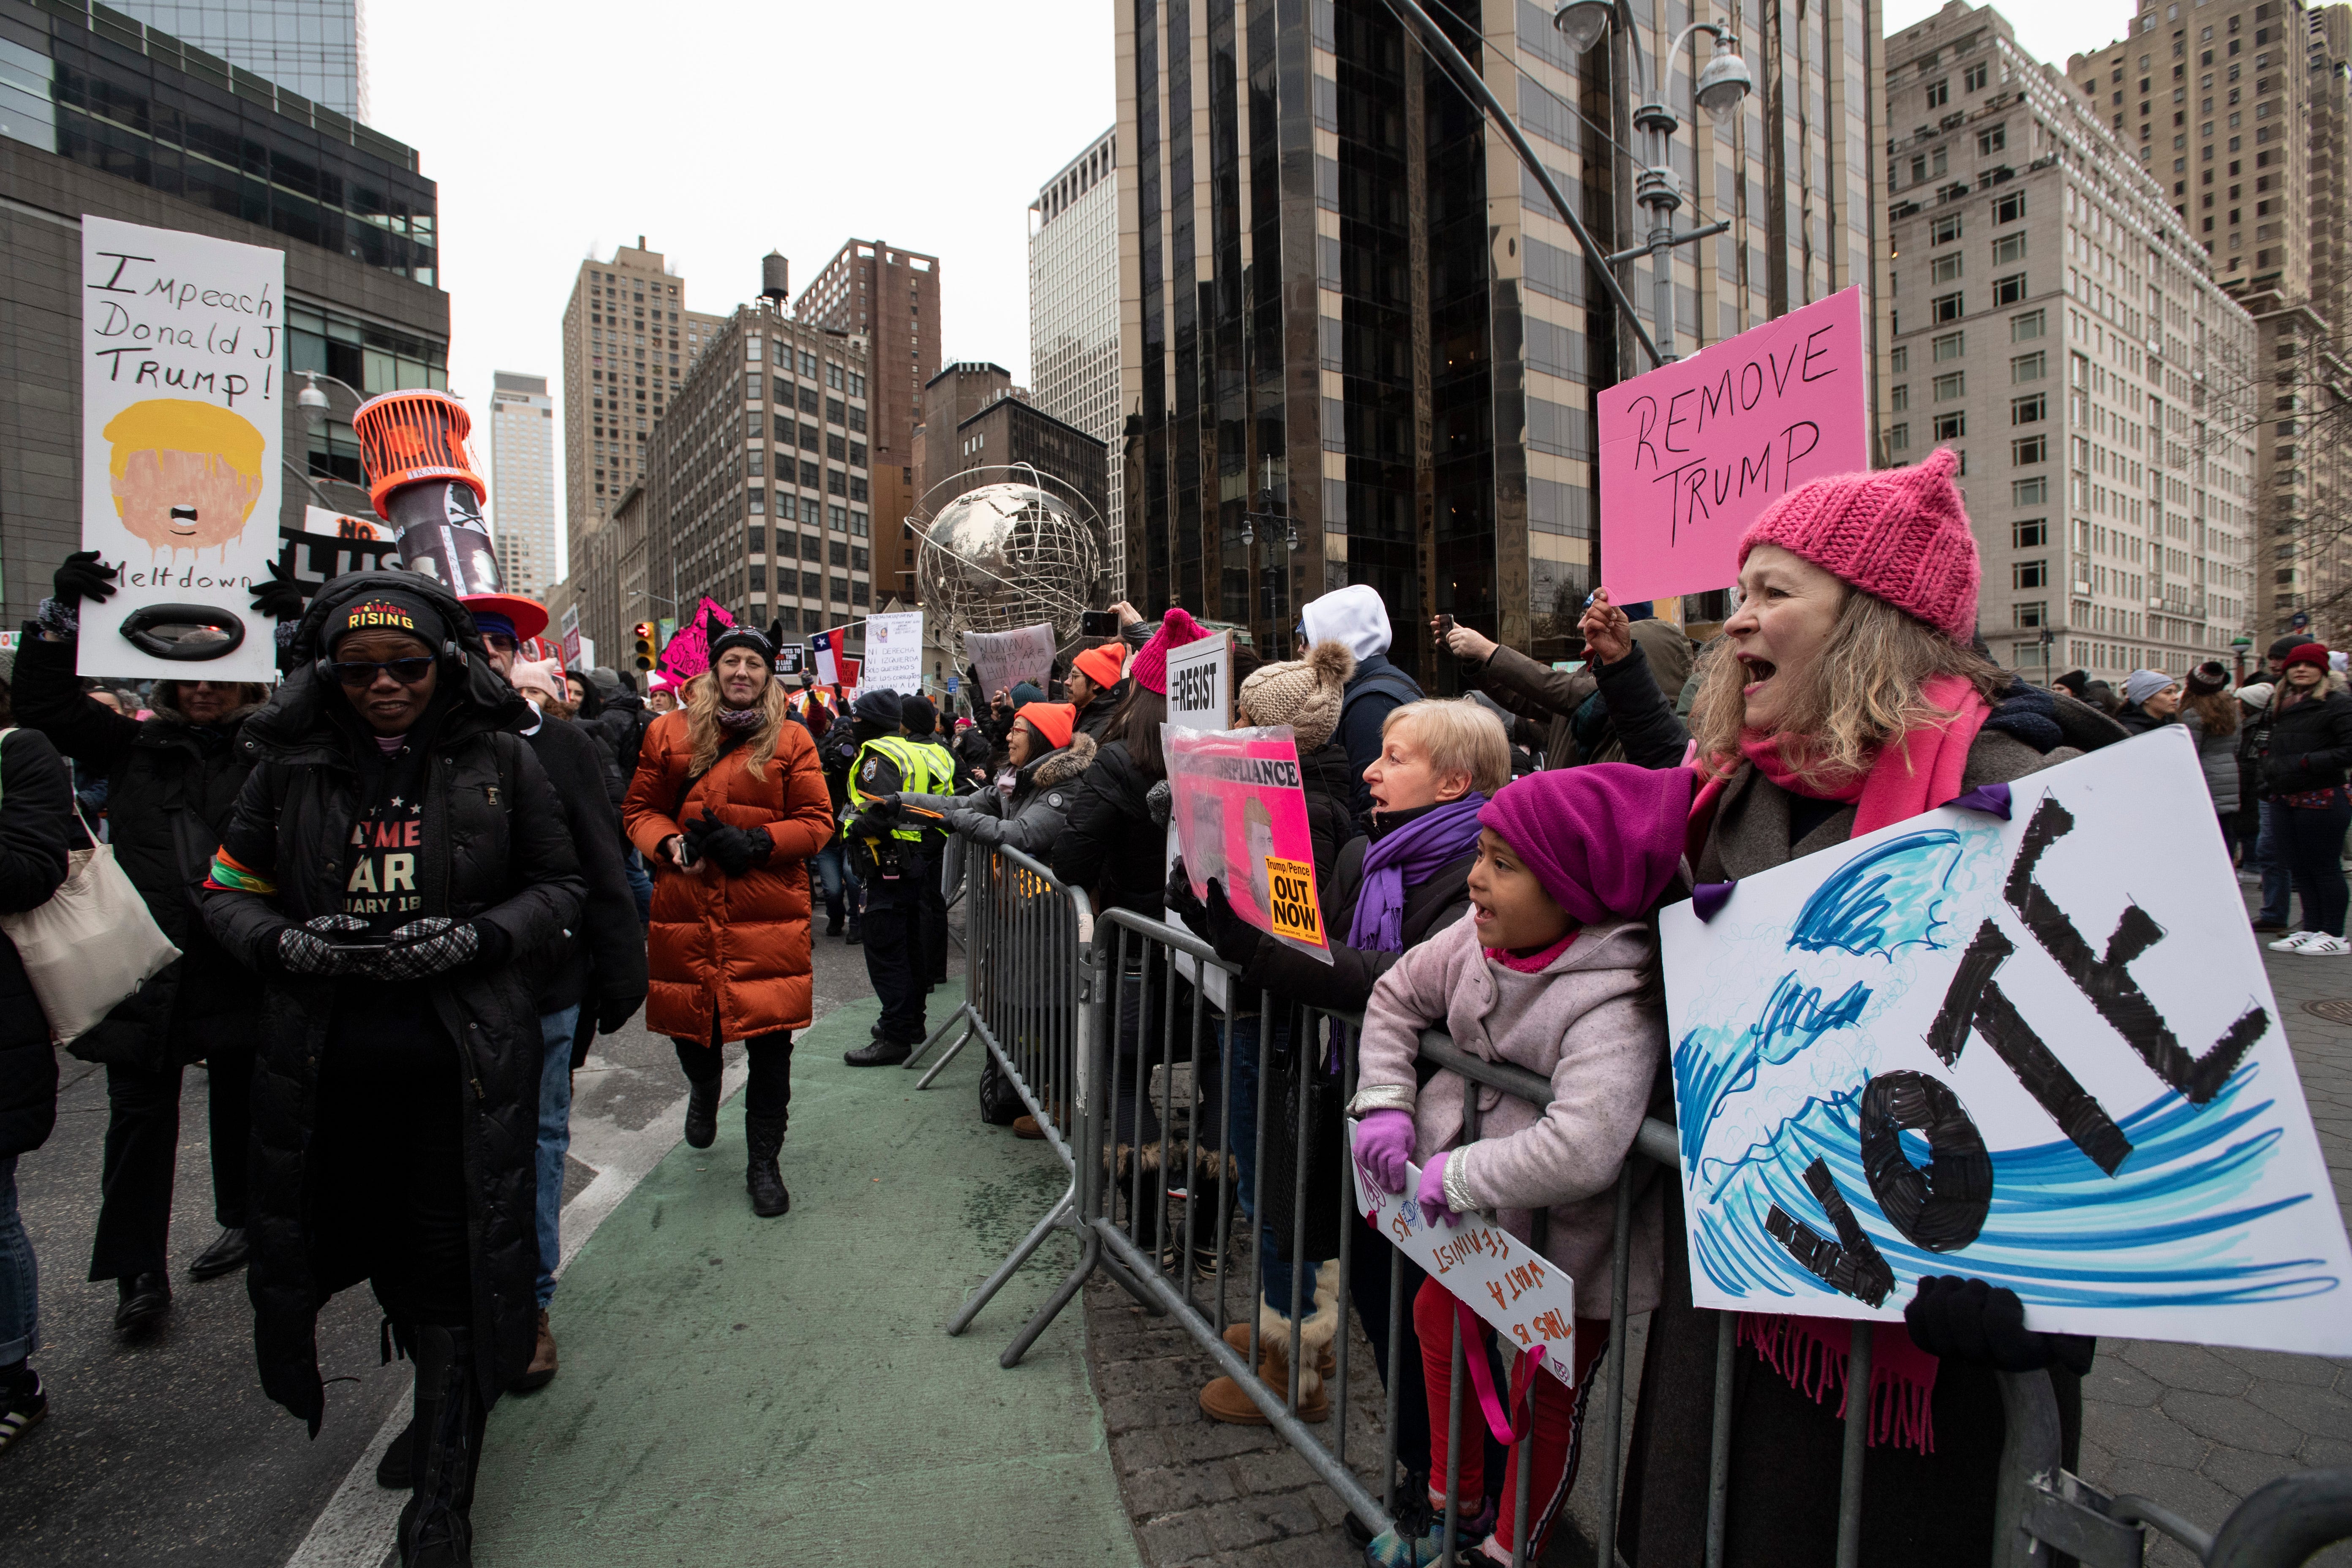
522	481
315	47
890	297
628	338
1338	284
2238	109
1074	311
2055	321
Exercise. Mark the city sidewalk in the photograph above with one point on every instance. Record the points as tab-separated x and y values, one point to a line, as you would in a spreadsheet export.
745	1390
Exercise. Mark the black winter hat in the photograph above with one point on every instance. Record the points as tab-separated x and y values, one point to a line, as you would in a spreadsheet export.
880	706
2285	646
919	715
762	643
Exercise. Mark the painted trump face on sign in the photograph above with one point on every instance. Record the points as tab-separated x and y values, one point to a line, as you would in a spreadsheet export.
185	475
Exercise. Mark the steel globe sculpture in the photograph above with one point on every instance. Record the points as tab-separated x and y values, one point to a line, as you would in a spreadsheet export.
1013	547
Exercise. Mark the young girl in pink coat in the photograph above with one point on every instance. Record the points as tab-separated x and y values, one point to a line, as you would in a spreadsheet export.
1555	971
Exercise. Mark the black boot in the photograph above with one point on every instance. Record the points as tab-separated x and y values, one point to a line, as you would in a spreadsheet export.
881	1052
701	1113
436	1527
142	1300
226	1255
855	938
765	1182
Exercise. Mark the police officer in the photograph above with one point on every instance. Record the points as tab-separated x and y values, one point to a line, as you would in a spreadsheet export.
889	855
922	724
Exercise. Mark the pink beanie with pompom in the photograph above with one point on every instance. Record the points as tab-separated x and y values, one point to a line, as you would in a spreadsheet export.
1149	667
1897	534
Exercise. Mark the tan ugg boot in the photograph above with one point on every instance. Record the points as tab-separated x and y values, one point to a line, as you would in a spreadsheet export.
1224	1400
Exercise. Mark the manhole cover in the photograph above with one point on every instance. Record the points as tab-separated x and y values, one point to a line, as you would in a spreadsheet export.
2334	1009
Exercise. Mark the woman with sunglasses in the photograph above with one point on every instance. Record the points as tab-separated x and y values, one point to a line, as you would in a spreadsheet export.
398	871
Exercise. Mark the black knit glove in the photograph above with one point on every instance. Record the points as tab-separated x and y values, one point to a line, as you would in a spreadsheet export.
424	948
1971	1321
83	576
732	850
1235	940
279	598
614	1011
318	946
1183	903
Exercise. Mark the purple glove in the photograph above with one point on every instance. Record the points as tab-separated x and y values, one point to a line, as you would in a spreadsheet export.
1432	1196
1384	1147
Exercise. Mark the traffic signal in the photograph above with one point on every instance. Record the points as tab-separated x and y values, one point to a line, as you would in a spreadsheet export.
643	651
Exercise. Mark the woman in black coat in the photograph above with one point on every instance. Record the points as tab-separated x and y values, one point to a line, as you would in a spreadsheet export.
171	782
399	873
2304	777
37	830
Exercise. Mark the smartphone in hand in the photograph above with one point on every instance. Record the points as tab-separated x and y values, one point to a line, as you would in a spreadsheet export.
1098	623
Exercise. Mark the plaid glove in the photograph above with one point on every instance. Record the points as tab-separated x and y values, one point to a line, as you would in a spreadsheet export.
427	947
316	946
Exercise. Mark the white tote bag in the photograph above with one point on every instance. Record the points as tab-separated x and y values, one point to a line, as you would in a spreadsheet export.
92	944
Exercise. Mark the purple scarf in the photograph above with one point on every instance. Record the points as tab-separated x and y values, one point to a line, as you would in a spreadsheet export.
1407	858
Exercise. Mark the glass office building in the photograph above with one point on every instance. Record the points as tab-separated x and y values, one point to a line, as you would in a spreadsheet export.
315	47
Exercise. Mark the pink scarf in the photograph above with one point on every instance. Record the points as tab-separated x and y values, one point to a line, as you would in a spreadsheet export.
1918	774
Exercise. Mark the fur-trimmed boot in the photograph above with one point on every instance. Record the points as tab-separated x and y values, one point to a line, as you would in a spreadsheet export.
765	1182
1224	1399
436	1527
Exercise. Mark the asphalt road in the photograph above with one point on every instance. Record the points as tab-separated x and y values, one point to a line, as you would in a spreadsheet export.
165	1452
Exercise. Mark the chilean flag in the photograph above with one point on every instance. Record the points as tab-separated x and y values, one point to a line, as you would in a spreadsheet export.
826	647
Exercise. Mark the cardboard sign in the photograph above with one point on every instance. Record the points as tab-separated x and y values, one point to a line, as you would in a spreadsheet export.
184	419
894	652
1201	683
2026	1051
688	654
1692	452
1004	660
1239	816
331	543
1528	1298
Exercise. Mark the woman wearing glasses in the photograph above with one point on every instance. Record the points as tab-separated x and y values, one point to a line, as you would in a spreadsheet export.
396	871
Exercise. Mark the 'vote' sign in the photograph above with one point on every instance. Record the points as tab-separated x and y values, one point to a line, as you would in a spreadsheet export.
1693	451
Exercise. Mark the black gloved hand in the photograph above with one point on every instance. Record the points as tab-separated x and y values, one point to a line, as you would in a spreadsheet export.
614	1011
427	947
1971	1321
280	598
1183	903
729	848
1235	940
83	576
694	833
318	946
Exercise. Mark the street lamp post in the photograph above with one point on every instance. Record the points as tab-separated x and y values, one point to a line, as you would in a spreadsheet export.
1274	520
1717	88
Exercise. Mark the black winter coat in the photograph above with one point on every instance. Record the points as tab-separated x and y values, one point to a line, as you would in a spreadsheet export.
605	951
505	860
1345	984
2311	743
37	830
169	789
1329	782
1110	842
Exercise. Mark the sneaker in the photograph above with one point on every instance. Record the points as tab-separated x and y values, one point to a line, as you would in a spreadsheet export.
2325	946
22	1407
2293	942
1418	1537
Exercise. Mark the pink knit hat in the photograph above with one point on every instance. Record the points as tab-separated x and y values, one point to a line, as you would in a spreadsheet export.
1897	534
1149	668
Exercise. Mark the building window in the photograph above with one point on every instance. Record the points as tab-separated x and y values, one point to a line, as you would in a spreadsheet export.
1939	93
2027	450
1898	437
2028	367
1898	359
2029	492
1900	398
1944	269
1951	345
2028	410
2030	325
1944	230
1946	308
1951	426
1973	78
2009	290
2030	575
1955	385
2033	613
2032	534
1992	140
2009	247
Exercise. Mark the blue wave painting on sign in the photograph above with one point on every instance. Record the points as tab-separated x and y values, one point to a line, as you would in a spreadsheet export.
2022	1051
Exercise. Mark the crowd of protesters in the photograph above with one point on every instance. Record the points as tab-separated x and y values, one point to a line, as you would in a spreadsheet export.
412	884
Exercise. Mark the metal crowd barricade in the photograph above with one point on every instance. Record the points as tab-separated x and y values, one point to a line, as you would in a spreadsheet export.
1149	1060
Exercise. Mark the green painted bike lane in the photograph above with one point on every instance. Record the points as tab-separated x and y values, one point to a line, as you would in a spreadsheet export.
748	1391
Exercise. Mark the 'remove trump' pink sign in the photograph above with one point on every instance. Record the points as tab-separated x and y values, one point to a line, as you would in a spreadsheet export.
1693	451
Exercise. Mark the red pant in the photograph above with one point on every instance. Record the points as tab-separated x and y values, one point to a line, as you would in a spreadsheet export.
1558	1418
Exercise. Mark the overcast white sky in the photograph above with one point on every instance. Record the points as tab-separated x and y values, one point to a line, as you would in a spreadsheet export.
2049	30
720	130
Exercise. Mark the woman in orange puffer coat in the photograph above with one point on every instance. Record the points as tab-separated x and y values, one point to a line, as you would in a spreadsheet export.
727	805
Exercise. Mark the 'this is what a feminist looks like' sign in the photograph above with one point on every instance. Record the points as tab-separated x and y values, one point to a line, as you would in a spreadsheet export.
1693	451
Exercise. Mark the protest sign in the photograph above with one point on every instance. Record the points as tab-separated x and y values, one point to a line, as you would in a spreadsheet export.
183	424
331	543
1004	660
2026	1051
1240	814
1528	1298
1201	683
894	652
570	639
1692	452
688	654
